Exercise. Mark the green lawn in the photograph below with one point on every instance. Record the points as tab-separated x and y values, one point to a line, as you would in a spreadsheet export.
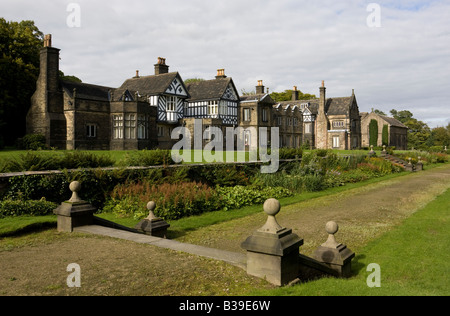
413	260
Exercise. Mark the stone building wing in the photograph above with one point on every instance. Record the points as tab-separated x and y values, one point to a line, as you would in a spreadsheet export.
86	91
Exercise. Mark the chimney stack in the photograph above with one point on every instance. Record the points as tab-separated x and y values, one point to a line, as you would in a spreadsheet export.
137	74
260	87
161	67
322	99
220	74
295	94
48	40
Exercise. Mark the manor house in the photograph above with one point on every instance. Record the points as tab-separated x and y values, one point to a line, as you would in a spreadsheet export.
144	110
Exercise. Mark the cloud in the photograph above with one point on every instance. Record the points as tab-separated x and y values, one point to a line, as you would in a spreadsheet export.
404	64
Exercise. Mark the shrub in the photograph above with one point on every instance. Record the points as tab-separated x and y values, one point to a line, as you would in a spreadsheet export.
26	207
84	159
173	201
239	196
146	158
34	142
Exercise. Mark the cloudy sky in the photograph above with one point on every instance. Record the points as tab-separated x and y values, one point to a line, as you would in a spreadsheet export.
395	54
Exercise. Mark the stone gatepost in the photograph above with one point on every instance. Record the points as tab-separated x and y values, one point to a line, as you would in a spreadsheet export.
152	225
383	152
409	166
371	152
273	251
419	164
74	212
333	254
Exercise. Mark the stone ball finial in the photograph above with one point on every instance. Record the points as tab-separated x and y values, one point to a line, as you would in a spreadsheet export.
331	227
75	187
272	207
151	207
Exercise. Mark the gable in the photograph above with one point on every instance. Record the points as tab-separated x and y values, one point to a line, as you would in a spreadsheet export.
177	88
230	93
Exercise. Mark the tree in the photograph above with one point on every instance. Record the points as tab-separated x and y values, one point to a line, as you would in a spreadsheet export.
379	112
20	43
287	96
385	135
419	134
441	136
373	133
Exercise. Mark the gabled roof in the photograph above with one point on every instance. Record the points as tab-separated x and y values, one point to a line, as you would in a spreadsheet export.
209	89
262	97
339	106
86	91
148	85
390	120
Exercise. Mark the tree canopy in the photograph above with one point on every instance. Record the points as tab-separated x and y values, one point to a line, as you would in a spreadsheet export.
287	96
19	68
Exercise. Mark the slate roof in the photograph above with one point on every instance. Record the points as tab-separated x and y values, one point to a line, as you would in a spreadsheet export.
257	98
147	85
86	91
333	106
208	89
338	106
390	120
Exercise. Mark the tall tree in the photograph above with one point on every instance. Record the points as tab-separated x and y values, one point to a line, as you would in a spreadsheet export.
373	133
419	134
20	43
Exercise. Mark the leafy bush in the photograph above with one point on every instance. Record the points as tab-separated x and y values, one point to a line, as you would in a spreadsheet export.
84	159
27	207
239	196
31	161
34	142
148	158
173	201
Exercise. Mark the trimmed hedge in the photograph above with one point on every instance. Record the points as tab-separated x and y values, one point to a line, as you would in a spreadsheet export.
27	207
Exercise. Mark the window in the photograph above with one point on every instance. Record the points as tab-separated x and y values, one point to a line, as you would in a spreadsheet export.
153	100
338	124
142	127
264	115
160	131
280	121
308	128
118	126
335	141
247	138
91	130
247	115
295	121
213	108
171	104
130	126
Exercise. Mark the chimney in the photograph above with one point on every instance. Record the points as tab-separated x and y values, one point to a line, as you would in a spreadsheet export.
161	67
322	99
48	40
137	74
260	87
49	65
295	94
220	74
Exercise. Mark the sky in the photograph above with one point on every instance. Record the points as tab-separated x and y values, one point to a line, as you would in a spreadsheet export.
394	54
